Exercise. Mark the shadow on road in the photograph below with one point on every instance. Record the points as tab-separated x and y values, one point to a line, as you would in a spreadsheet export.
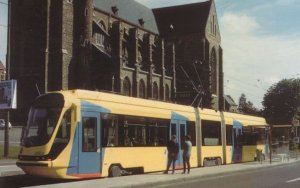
27	181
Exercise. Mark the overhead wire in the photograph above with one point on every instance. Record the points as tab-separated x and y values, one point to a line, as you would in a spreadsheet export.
244	83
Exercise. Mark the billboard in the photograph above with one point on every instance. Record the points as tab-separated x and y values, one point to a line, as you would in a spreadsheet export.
8	94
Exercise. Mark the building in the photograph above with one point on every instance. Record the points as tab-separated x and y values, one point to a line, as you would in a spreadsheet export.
117	46
2	71
2	77
230	105
199	56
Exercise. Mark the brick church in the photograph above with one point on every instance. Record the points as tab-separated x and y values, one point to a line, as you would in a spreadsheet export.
170	54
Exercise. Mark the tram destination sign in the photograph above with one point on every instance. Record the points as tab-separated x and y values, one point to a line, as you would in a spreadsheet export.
8	94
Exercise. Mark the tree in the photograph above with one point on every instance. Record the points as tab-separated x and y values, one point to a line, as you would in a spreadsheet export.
282	102
242	102
247	107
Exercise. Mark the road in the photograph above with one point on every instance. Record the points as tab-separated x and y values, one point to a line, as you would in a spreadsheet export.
287	176
11	176
14	136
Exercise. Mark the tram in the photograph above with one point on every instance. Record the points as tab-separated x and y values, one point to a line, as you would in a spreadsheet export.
77	134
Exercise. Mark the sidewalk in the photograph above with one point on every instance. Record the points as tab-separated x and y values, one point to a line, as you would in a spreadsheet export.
155	179
8	161
8	168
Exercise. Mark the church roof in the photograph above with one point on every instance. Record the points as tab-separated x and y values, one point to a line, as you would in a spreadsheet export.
189	18
230	100
130	11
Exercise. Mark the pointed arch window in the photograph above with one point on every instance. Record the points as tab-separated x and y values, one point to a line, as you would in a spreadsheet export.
213	25
101	38
140	56
127	87
125	53
155	91
142	89
167	92
125	48
99	35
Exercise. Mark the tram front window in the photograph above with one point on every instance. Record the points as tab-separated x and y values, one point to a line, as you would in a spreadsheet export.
42	120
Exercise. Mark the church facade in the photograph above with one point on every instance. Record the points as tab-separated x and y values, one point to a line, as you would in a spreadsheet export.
171	54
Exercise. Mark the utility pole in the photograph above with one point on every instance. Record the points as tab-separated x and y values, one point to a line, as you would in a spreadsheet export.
6	134
270	142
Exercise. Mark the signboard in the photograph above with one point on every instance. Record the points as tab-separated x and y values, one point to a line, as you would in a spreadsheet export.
8	94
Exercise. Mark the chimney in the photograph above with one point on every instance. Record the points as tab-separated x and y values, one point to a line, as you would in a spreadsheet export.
141	21
115	10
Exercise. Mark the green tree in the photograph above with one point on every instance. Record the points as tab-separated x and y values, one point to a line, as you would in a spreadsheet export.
247	107
282	102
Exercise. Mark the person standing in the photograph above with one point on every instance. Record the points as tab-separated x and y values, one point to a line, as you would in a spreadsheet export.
187	150
173	149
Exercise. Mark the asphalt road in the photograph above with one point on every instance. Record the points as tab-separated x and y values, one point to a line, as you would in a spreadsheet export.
27	181
287	176
14	136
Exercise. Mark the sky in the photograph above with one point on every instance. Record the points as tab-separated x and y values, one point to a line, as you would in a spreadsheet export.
260	41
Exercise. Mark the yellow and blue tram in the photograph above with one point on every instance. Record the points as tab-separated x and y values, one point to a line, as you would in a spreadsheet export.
87	134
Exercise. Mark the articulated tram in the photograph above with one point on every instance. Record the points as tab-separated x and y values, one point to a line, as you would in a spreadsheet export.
85	134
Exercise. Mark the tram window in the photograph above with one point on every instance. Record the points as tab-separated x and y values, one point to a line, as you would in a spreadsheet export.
191	131
229	135
134	131
63	133
211	133
182	132
248	136
173	129
89	125
131	131
260	135
159	129
109	124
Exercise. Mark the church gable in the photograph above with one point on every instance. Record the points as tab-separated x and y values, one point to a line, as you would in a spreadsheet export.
212	30
190	18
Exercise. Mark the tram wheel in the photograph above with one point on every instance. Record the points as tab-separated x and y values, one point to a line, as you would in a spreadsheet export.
218	161
115	171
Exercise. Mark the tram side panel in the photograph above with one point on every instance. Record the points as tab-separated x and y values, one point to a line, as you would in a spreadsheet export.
211	151
244	135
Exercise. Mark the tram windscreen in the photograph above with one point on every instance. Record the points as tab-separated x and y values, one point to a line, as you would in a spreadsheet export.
42	119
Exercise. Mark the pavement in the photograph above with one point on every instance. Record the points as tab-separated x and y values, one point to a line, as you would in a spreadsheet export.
8	168
158	178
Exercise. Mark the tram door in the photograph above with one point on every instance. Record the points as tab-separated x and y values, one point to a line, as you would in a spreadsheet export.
237	145
178	128
89	159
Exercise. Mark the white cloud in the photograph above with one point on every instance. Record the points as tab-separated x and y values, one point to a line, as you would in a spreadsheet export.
240	25
253	62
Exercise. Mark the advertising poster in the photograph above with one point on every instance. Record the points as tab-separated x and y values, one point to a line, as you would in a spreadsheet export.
8	94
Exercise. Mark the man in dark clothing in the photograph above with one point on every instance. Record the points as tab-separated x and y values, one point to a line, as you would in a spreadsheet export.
173	149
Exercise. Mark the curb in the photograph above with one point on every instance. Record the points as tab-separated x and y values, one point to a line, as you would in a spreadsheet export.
11	173
195	177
